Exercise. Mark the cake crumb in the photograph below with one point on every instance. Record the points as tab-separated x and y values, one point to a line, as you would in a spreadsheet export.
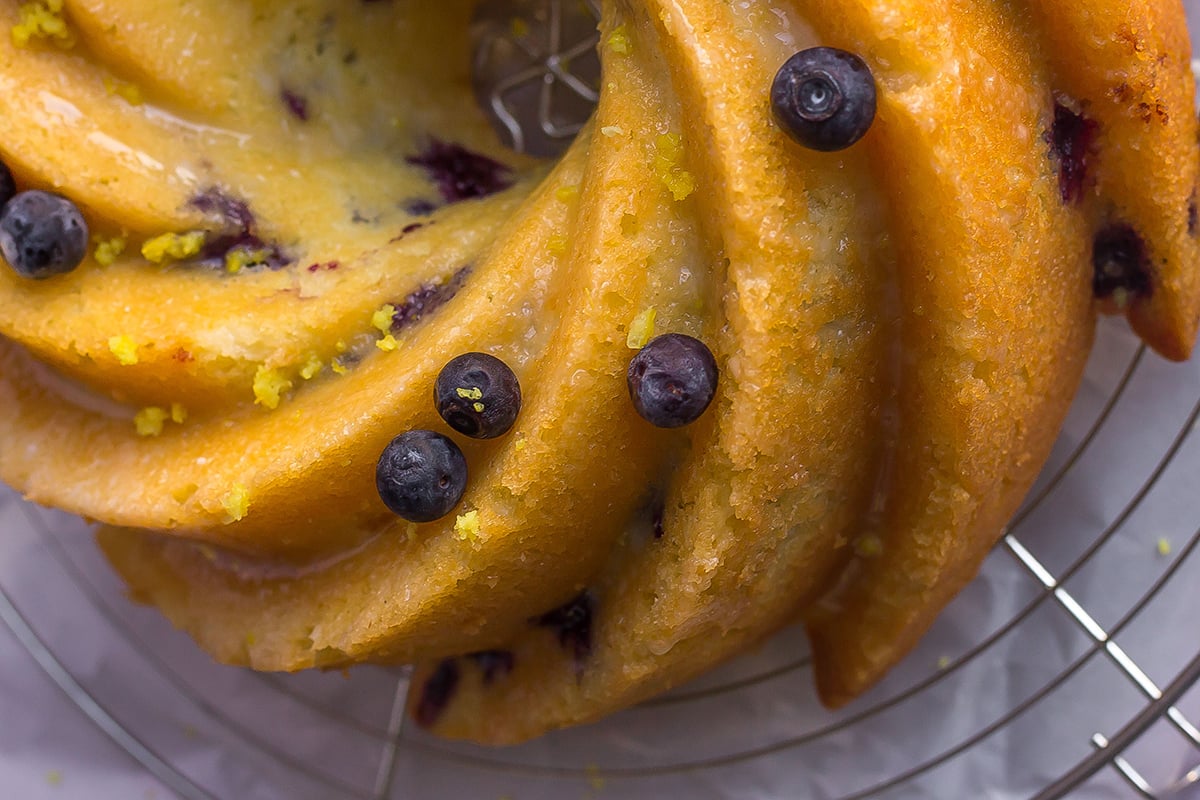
236	503
173	247
467	527
150	421
612	131
107	250
269	387
125	349
641	330
42	19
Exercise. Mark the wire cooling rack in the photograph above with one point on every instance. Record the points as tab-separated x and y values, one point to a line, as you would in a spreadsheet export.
1069	667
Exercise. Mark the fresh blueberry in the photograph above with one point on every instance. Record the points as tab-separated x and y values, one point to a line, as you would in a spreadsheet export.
478	395
42	234
421	476
672	380
8	184
824	98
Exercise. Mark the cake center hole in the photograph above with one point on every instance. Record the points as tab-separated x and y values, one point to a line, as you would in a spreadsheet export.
536	72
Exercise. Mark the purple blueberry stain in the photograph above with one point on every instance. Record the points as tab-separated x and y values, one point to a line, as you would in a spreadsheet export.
657	520
1193	215
296	103
573	625
234	212
419	207
427	299
461	174
494	664
239	230
437	693
1120	263
1073	137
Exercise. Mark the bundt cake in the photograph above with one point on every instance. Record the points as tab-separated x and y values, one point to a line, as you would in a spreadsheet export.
784	335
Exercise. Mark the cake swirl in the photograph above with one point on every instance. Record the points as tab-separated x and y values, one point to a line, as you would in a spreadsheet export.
314	218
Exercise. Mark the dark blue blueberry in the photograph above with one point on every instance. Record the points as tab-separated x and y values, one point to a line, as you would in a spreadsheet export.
1073	138
494	664
573	624
42	234
8	184
478	395
461	174
421	476
437	693
824	98
672	380
1120	263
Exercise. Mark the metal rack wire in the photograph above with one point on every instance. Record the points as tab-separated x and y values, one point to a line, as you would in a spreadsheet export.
1057	576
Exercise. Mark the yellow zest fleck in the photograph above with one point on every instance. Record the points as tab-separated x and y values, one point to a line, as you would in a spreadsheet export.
251	639
557	244
618	41
342	346
149	421
312	367
107	250
173	247
668	165
236	503
612	131
42	19
129	92
467	527
125	349
869	546
519	28
943	662
338	367
1164	546
387	344
179	414
269	387
478	408
641	330
521	444
54	777
383	319
595	777
473	393
567	193
239	258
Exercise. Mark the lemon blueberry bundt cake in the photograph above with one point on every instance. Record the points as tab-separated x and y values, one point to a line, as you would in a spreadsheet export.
784	334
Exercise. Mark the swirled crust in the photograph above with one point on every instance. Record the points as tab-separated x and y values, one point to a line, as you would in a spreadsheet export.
900	326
